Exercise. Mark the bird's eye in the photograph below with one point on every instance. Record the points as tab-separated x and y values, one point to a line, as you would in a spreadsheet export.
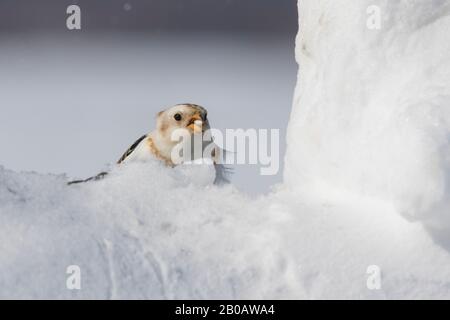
205	117
177	117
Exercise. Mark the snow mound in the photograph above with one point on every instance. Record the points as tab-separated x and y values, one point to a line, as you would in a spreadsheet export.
145	231
371	113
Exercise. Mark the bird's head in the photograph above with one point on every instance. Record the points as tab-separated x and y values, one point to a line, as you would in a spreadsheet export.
190	117
186	121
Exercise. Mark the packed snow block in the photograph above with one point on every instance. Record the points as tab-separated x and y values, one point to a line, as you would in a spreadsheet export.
371	112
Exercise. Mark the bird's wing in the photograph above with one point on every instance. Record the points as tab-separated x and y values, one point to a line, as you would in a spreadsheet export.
131	149
100	176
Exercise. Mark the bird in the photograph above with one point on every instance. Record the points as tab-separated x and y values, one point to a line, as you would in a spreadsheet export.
192	121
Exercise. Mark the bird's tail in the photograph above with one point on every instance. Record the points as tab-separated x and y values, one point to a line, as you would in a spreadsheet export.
223	174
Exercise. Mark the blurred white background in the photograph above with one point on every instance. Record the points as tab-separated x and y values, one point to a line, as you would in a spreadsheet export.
72	101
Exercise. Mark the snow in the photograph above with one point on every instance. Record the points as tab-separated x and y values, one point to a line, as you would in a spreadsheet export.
371	112
366	184
146	231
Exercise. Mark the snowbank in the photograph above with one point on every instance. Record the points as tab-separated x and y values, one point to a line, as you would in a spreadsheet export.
146	231
371	112
368	139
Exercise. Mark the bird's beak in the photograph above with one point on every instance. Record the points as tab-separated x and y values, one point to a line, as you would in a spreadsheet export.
196	124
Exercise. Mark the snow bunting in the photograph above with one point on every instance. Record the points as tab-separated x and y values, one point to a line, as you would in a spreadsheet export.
191	121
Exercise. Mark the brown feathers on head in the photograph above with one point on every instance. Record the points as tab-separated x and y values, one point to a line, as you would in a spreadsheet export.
182	116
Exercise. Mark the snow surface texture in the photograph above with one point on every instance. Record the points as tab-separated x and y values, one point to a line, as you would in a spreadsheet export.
372	107
145	231
366	150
